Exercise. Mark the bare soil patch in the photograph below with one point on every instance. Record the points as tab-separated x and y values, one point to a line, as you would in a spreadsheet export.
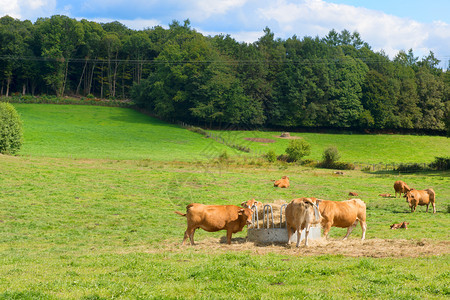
353	247
260	140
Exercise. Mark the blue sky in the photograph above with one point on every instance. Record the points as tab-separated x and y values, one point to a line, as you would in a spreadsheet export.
387	25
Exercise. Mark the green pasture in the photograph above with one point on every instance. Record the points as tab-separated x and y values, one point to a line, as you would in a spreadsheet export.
86	212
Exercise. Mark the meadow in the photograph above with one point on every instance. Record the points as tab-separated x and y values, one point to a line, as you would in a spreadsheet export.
86	212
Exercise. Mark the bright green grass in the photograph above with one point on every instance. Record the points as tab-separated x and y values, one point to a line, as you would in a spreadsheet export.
361	148
77	225
80	131
74	228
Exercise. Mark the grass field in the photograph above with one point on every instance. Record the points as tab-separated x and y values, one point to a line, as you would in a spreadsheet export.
82	224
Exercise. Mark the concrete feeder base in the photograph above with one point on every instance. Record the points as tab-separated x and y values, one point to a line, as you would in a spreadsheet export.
279	235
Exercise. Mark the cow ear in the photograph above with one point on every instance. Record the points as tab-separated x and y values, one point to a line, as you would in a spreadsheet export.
243	203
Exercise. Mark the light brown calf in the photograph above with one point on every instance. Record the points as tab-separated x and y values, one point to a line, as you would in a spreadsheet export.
400	225
282	183
301	213
212	218
352	194
420	197
385	195
400	187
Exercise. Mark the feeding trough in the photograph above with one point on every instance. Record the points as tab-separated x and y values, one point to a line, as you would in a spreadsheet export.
272	231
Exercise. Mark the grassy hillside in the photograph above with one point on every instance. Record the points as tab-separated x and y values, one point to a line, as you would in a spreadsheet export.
80	131
86	212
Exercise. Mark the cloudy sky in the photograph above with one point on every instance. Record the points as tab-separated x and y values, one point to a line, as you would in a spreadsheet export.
388	25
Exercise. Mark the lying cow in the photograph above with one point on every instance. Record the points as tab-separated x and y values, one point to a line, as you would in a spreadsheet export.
213	218
282	183
400	187
276	209
301	213
385	195
400	225
420	197
343	214
353	194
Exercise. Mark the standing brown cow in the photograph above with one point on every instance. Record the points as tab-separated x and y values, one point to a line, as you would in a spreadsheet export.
344	214
400	187
213	218
420	197
301	213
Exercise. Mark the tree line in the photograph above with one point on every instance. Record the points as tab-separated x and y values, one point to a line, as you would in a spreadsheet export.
177	73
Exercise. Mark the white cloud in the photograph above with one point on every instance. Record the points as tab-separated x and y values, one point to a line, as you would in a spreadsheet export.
27	9
380	30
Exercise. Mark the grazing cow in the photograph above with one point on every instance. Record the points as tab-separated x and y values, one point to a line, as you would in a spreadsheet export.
400	225
343	214
282	183
385	195
276	208
301	213
400	187
420	197
353	194
212	218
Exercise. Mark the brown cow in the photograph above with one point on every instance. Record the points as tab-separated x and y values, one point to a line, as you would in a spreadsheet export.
282	183
301	213
420	197
400	187
343	214
352	194
385	195
400	225
213	218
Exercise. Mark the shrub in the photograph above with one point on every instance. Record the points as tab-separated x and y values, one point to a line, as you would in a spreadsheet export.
11	131
410	167
441	163
271	156
297	149
330	155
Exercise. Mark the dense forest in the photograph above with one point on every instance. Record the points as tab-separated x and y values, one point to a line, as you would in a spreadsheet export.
177	73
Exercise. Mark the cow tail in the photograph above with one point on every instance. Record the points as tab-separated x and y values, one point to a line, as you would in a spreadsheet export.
179	213
431	193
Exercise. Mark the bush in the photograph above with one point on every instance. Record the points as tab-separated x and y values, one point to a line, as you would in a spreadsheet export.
271	156
331	155
297	149
410	167
11	130
441	163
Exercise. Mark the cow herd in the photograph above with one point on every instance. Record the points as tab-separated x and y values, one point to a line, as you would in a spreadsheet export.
300	213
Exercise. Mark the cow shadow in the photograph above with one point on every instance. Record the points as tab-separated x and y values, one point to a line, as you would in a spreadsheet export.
239	240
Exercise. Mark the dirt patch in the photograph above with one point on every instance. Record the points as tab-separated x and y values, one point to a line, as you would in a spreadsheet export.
353	247
260	140
288	137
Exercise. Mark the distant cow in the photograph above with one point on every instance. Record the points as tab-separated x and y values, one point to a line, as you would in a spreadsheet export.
282	183
420	197
400	187
343	214
353	194
400	225
301	213
212	218
385	195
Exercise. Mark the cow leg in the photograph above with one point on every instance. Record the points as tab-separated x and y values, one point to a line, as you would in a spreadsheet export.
326	229
229	234
363	228
299	235
434	207
427	207
306	234
289	230
350	229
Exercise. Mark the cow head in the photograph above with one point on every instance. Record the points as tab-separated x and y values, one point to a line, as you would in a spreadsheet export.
250	203
409	195
246	213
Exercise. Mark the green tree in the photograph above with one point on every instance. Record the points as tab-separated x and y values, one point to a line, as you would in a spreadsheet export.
298	149
11	129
